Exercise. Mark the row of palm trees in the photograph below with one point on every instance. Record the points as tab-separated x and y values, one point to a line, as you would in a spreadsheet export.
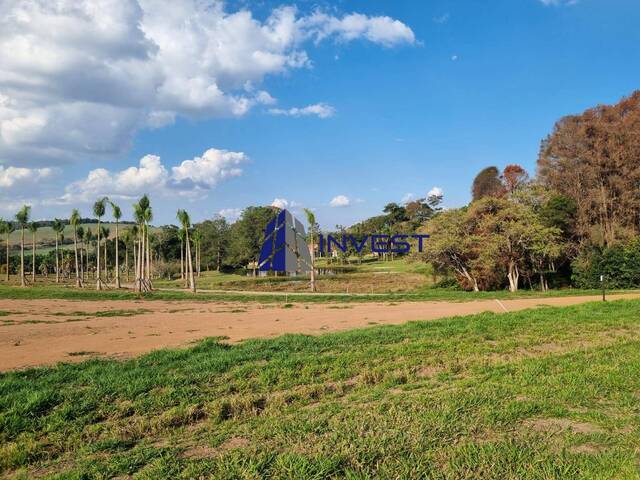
139	234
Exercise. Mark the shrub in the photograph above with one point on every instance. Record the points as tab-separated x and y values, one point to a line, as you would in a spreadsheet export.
620	264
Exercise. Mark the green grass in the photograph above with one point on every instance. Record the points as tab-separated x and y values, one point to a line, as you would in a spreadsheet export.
540	394
40	291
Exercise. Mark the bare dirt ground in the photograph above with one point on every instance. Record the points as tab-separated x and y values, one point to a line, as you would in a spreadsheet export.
44	332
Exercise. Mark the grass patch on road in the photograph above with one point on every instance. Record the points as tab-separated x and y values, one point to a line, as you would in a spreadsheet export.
549	393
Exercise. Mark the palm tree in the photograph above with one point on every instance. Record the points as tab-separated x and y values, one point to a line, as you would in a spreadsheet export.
87	238
185	221
81	234
148	216
197	239
311	219
98	211
74	221
134	245
33	228
117	215
57	227
142	213
22	217
105	234
181	236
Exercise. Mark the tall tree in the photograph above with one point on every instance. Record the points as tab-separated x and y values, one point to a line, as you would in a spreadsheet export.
185	221
22	218
247	234
142	215
487	184
126	240
592	159
182	237
453	246
197	240
134	240
105	234
33	228
148	217
98	211
87	240
311	220
513	177
117	215
58	228
81	249
74	221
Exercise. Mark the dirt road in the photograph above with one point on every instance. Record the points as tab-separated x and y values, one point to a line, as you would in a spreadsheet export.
44	332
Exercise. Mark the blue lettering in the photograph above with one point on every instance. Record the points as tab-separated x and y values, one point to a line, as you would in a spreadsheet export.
400	246
377	240
420	237
341	246
356	245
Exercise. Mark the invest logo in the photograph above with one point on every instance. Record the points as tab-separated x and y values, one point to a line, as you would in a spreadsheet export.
285	247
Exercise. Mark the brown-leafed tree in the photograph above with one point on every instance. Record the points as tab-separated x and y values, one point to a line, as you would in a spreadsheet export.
593	159
487	184
513	177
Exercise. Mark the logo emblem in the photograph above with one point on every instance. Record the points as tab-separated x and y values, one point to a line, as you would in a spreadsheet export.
285	247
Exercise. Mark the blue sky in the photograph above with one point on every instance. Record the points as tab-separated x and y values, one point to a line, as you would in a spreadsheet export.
451	87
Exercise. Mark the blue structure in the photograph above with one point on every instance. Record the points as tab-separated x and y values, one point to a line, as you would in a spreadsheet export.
285	247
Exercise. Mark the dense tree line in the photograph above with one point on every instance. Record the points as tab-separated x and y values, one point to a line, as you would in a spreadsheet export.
577	220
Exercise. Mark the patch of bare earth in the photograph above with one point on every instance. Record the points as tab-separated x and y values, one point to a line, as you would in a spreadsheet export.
66	327
205	451
556	425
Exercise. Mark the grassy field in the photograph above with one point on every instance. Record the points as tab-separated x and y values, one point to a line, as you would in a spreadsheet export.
51	291
398	276
548	393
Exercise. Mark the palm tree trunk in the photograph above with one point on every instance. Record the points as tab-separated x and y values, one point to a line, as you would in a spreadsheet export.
106	271
22	278
139	269
98	282
192	282
75	248
33	257
117	260
218	261
148	253
126	260
7	256
135	264
57	262
313	265
181	259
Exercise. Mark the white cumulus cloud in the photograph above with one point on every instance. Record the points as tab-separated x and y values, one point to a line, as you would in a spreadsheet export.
78	78
151	176
321	110
340	201
209	169
11	177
